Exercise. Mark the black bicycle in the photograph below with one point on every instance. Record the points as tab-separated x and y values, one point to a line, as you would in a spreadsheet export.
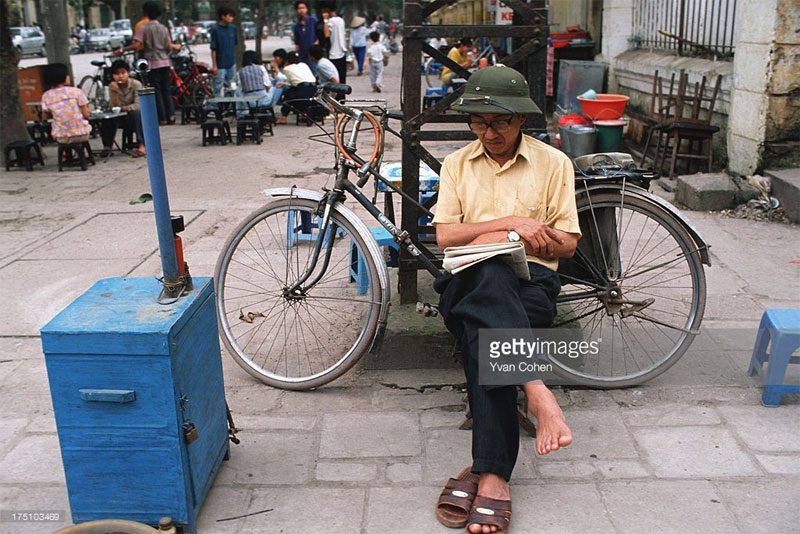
303	289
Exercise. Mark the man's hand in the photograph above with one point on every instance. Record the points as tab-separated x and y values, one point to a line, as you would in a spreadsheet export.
540	239
213	70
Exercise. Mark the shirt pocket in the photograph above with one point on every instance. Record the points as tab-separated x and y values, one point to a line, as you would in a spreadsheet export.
530	201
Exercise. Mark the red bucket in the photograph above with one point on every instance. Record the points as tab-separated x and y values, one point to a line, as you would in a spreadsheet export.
604	107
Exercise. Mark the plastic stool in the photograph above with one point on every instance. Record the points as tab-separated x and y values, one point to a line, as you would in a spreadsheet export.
782	328
266	118
432	96
248	128
216	132
26	154
191	114
425	220
71	153
303	231
358	270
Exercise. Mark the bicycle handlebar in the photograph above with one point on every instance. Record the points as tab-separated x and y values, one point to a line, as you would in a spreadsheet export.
340	88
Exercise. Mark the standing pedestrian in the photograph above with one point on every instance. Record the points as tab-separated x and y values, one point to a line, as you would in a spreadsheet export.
336	32
223	49
154	41
304	30
375	55
358	41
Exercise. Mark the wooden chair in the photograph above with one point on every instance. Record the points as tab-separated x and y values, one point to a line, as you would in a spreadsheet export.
661	111
692	123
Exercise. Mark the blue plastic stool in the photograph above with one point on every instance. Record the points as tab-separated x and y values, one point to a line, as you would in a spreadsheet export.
358	270
425	220
782	328
303	231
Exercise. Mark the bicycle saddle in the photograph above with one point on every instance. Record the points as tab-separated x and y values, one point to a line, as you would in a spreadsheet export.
98	63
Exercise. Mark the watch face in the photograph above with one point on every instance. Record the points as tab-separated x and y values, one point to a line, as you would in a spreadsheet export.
513	236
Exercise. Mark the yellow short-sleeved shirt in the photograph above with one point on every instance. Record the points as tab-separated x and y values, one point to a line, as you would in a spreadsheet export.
456	55
538	182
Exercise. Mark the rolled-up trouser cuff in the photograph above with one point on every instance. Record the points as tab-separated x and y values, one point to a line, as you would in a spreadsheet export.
496	467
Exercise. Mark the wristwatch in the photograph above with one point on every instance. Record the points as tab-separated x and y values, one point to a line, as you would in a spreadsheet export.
513	236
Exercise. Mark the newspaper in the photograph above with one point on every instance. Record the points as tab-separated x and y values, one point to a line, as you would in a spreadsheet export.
456	259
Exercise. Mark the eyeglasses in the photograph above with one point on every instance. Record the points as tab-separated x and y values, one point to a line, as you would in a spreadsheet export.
500	126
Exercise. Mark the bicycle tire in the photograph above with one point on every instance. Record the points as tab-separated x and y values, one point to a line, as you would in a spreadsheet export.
200	90
433	72
94	91
660	330
332	324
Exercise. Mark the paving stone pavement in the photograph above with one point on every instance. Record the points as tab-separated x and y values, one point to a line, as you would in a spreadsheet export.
692	451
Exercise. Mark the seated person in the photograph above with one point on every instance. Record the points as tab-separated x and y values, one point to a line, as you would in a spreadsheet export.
503	187
460	54
300	85
254	82
66	105
326	70
124	92
277	78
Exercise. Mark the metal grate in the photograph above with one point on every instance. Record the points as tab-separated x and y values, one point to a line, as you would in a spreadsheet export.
691	27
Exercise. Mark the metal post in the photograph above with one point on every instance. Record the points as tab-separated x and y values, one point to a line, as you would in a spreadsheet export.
412	104
681	26
158	187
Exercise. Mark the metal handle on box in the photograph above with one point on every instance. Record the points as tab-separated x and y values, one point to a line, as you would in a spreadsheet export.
108	395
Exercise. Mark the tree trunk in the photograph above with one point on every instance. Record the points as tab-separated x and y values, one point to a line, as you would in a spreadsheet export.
12	125
259	26
56	32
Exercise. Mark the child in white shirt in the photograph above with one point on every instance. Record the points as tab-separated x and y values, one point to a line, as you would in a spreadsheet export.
375	56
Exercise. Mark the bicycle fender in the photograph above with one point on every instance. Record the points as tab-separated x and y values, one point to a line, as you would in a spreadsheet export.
372	248
646	195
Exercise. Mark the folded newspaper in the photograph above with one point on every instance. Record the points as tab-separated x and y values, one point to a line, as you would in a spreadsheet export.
456	259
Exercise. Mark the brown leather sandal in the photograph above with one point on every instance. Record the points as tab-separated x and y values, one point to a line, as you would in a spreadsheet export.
490	512
455	502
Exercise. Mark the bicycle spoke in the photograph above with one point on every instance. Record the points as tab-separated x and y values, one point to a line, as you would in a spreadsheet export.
649	323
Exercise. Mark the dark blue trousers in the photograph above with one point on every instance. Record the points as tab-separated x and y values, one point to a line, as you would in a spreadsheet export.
489	295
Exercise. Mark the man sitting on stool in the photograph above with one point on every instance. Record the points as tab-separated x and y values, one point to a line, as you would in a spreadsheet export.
503	187
460	54
300	85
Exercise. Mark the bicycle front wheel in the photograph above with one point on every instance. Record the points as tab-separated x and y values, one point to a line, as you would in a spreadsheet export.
636	284
305	338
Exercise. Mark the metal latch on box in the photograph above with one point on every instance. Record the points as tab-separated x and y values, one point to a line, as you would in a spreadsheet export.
190	433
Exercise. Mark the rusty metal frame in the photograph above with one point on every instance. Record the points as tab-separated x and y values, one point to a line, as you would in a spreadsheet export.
529	32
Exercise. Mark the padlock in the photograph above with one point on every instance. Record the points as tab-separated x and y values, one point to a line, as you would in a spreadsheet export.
190	434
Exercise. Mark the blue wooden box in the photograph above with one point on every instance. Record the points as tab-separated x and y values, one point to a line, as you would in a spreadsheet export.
126	374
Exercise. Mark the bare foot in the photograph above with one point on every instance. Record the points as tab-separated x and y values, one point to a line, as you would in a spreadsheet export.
552	431
494	487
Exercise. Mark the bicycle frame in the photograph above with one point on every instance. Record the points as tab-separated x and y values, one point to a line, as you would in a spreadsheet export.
343	185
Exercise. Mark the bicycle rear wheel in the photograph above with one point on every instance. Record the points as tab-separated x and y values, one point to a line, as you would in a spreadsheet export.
95	93
637	283
309	337
433	72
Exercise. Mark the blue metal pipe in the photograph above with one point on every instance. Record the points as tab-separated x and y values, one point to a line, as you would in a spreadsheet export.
158	184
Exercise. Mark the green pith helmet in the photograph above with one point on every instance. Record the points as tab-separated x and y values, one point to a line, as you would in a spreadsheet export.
497	90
